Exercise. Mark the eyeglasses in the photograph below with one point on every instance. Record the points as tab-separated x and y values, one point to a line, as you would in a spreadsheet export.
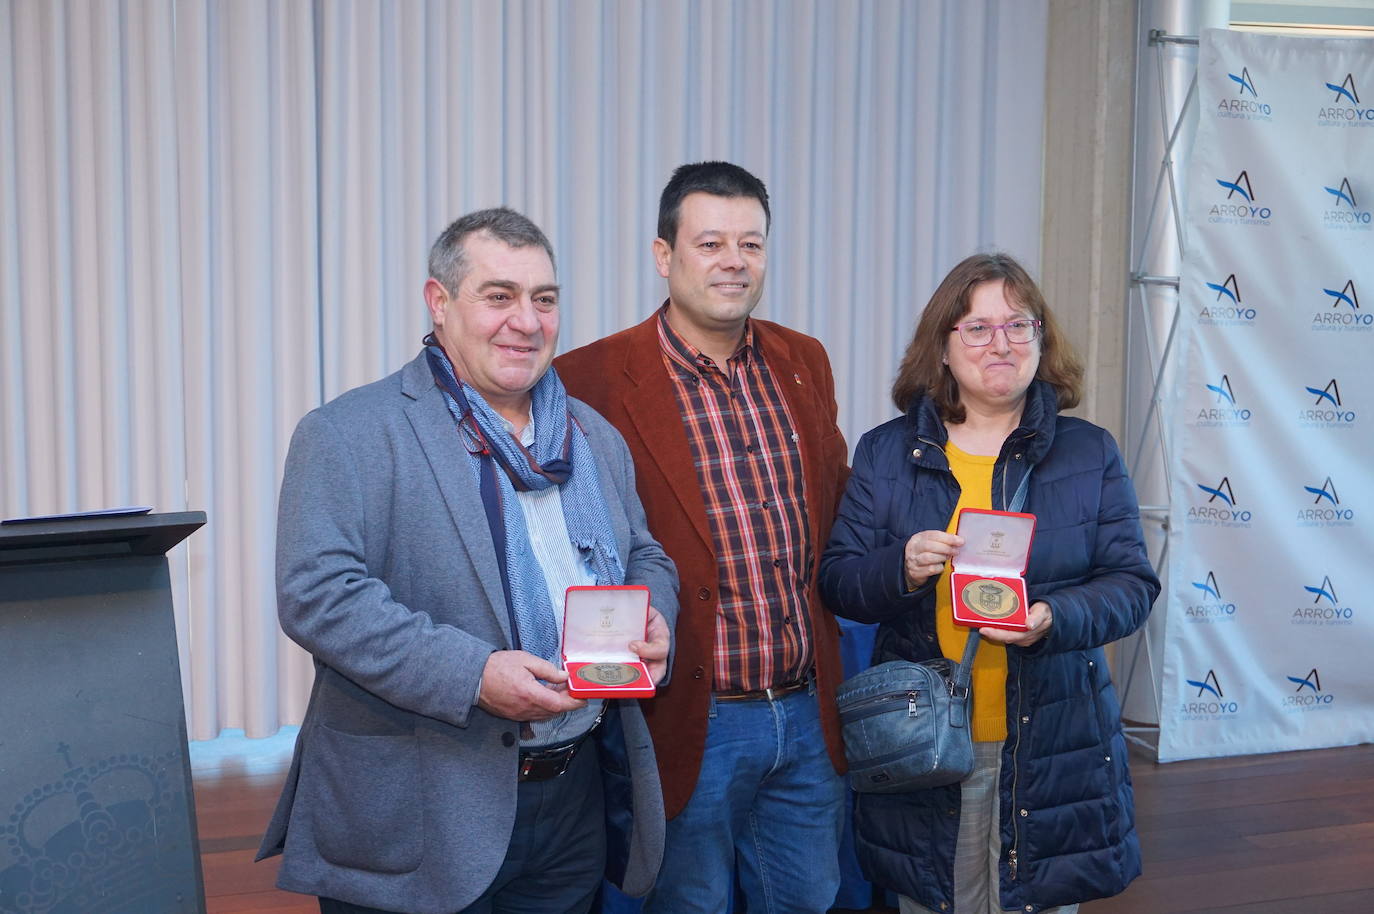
473	439
978	333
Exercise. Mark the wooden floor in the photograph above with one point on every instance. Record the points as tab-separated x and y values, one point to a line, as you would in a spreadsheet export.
236	783
1291	833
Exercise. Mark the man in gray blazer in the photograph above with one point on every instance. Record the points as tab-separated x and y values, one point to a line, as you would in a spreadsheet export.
429	525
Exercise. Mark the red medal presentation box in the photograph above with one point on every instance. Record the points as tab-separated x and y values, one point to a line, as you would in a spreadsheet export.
988	576
598	625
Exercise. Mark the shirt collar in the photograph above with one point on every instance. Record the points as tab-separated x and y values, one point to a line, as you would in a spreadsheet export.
526	436
687	356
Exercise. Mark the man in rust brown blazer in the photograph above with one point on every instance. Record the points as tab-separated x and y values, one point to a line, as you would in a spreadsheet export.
740	465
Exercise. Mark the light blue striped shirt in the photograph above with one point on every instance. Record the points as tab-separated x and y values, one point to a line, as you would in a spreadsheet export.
563	567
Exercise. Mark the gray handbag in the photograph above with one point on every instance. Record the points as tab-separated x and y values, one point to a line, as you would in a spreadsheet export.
905	724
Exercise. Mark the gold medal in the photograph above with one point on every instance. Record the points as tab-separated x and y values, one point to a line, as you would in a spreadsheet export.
990	599
608	674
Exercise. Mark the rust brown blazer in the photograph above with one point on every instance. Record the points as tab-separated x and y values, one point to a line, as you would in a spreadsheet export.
623	378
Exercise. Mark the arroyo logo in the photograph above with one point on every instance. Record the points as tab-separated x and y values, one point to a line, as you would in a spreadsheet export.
1326	591
1208	685
1331	393
1245	104
1344	312
1208	605
1348	295
1344	109
1343	194
1227	308
1325	608
1239	206
1328	511
1230	288
1220	508
1241	185
1345	213
1308	696
1327	411
1327	491
1210	702
1346	89
1223	390
1223	410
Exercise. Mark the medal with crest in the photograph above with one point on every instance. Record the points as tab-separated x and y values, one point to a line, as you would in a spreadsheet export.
598	625
987	576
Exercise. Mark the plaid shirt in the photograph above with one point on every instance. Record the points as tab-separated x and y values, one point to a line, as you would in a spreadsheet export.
749	466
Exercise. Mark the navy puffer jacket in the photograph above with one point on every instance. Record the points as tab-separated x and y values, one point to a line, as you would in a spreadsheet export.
1067	814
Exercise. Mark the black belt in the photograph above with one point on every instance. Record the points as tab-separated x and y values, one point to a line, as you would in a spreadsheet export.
549	762
770	694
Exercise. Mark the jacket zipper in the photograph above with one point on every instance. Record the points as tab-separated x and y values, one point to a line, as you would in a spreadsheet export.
1012	860
935	444
1015	775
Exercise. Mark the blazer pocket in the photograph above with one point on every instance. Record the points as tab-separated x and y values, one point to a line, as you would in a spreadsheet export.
363	797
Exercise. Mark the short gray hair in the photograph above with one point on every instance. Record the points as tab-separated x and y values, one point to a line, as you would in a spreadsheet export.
448	262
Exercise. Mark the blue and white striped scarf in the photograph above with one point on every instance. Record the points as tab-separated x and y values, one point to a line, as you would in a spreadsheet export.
560	456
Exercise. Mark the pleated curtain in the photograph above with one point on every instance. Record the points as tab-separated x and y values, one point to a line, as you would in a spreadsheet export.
215	214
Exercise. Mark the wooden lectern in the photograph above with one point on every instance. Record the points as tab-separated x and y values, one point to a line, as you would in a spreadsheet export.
96	809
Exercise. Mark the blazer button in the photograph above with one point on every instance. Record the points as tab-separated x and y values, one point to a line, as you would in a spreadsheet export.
699	672
508	738
704	593
916	452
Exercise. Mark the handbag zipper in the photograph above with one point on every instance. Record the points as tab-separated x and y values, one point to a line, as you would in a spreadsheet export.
870	707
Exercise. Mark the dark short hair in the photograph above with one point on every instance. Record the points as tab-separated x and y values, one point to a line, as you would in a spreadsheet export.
923	370
720	179
448	261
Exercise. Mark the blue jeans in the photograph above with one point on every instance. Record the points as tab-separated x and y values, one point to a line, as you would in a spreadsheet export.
767	799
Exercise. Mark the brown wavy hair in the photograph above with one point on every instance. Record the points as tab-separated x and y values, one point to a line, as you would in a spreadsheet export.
923	370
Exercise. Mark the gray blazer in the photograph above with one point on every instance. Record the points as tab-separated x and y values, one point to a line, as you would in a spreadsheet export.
401	794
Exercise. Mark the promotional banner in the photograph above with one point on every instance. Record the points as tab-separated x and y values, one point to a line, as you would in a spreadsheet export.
1270	626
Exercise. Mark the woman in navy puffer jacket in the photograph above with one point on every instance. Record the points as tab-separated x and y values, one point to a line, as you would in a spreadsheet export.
1047	817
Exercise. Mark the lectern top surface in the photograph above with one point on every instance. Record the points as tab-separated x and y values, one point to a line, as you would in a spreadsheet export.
129	511
85	536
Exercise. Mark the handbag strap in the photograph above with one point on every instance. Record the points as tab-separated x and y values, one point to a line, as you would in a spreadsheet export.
959	687
1018	498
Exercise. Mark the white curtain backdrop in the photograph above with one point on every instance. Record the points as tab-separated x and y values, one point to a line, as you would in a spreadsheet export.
214	215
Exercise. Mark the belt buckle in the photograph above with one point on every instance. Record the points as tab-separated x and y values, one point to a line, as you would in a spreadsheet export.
787	688
547	765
